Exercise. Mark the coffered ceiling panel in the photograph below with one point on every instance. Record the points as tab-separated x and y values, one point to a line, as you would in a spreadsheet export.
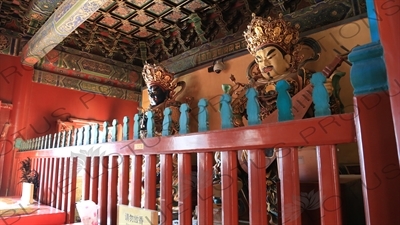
134	31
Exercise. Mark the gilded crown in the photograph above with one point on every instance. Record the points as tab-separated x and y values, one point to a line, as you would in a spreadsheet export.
262	32
157	75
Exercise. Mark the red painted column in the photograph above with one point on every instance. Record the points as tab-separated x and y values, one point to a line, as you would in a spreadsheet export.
376	139
22	76
378	158
288	165
388	14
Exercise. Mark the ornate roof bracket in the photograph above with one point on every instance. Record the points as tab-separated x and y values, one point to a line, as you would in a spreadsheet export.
64	21
164	47
246	9
279	3
219	19
143	50
178	36
194	17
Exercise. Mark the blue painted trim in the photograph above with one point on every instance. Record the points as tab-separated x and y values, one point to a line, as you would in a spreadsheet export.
368	72
373	19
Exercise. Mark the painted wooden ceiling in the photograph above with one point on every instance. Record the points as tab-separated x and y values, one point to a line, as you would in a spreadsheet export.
181	34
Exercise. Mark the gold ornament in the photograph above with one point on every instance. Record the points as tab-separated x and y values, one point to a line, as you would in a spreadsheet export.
262	32
158	75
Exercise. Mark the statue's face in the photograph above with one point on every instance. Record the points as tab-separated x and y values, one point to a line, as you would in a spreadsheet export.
272	62
157	95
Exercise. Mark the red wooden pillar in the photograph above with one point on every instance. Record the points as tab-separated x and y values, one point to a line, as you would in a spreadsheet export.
375	135
388	18
288	164
22	76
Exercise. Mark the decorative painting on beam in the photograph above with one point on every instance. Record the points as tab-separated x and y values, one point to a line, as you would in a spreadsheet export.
57	80
91	69
221	51
66	19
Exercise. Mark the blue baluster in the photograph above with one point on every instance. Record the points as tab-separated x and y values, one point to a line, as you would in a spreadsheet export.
125	128
136	127
87	135
226	111
284	101
150	124
320	95
49	142
104	136
80	135
75	141
184	119
40	142
95	134
368	72
69	134
55	140
114	130
59	139
167	122
203	115
252	107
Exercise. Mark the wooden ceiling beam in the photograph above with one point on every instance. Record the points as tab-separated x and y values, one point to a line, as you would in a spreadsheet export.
70	15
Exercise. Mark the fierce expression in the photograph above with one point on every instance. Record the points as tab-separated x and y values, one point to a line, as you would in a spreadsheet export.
272	61
157	95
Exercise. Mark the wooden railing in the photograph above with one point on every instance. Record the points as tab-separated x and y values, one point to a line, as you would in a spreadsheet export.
113	171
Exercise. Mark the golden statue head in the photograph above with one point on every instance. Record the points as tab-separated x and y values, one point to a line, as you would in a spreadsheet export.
273	43
262	32
159	83
157	75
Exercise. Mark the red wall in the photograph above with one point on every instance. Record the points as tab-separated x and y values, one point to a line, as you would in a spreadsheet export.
49	103
6	78
7	72
36	108
12	75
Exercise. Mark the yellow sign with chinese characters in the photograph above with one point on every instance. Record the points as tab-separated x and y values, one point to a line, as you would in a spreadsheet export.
129	215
